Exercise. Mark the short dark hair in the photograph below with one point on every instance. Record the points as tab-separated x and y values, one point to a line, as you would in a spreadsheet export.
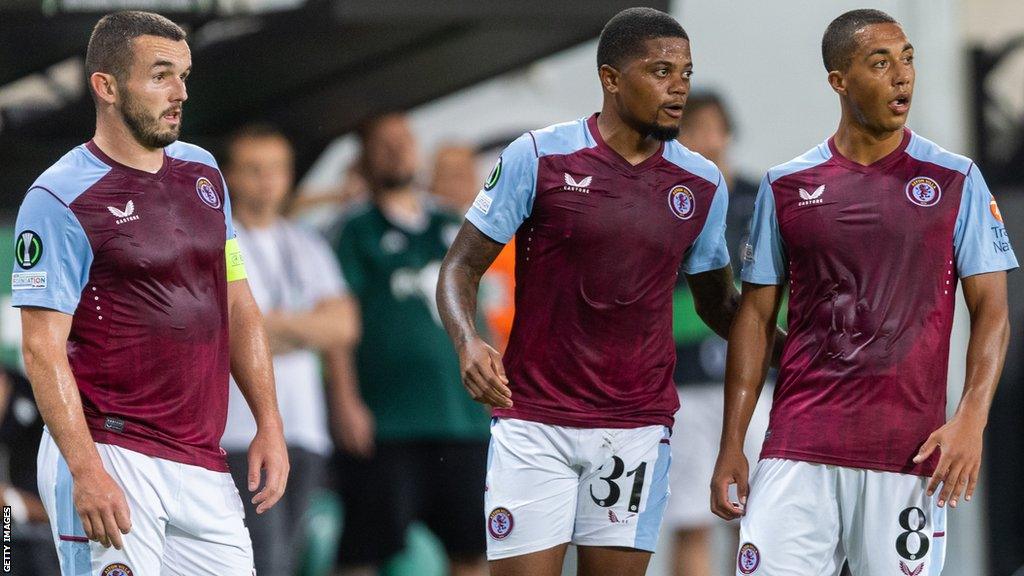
624	35
110	46
697	101
839	42
253	130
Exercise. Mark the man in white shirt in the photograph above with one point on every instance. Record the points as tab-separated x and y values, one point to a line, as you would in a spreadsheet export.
299	288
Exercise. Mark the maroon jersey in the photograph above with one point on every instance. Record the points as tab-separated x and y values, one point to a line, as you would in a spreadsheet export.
872	255
138	260
599	243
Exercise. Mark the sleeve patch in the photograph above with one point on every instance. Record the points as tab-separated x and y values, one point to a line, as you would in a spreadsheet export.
482	202
28	280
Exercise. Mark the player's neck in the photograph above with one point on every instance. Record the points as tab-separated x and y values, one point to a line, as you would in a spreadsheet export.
863	146
117	142
623	138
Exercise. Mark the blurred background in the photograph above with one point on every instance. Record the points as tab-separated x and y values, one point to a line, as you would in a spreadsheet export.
470	76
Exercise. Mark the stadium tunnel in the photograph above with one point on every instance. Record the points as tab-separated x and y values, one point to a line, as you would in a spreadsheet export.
316	71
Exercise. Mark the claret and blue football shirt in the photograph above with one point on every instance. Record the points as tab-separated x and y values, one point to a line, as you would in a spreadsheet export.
872	255
599	243
139	260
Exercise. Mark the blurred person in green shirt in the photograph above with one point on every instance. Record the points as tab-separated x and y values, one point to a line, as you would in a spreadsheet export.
412	443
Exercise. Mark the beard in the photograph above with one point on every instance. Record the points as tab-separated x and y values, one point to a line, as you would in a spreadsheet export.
662	133
651	128
144	127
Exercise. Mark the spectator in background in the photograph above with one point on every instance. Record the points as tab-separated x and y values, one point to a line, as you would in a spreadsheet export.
454	185
700	369
455	181
299	289
21	428
414	444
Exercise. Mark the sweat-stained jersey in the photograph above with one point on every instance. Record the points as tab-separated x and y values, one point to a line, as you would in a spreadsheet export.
138	259
872	255
599	243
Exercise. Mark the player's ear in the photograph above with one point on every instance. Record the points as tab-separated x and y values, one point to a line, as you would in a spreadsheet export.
609	78
104	86
837	81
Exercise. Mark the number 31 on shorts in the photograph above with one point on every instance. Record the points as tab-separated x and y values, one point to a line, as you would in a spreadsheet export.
608	493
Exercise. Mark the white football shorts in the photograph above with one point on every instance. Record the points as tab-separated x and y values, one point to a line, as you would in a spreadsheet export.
548	485
804	518
186	520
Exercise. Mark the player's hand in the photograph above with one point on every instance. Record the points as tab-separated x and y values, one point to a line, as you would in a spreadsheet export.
268	454
102	507
731	468
483	375
959	443
354	428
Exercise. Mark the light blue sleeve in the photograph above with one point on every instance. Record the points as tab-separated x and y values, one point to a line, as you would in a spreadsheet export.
980	241
764	260
52	254
709	251
229	223
506	199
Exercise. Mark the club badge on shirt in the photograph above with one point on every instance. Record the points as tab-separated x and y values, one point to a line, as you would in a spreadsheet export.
207	193
681	202
924	191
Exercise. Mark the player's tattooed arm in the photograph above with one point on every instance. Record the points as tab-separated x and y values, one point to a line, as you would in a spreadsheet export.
959	441
716	300
253	369
99	501
749	353
468	258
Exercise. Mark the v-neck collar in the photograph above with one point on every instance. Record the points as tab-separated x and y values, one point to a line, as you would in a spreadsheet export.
877	165
619	160
102	156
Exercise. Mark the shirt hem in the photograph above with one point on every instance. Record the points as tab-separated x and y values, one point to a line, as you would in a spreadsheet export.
583	422
764	280
215	464
486	228
815	458
1007	267
706	267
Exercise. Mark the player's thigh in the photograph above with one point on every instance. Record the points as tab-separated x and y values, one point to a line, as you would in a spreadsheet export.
546	562
625	489
791	526
895	527
206	534
600	561
530	493
449	490
78	556
695	439
188	555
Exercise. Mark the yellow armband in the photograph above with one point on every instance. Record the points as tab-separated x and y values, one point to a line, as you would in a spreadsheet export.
236	266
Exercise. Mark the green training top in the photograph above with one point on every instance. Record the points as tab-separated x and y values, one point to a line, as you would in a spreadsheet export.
408	370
